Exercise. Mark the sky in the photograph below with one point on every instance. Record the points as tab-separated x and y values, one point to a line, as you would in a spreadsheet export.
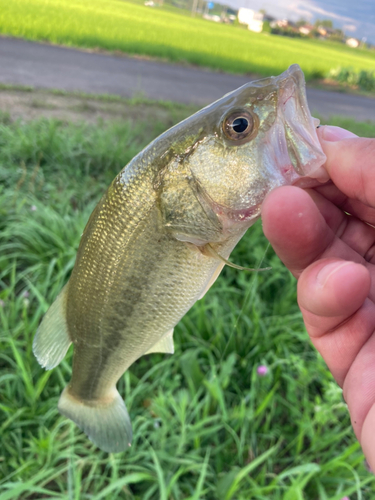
355	17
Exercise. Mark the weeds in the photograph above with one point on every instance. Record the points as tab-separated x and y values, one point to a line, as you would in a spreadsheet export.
364	80
206	424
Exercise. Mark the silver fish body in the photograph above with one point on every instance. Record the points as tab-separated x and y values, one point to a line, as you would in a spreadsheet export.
156	241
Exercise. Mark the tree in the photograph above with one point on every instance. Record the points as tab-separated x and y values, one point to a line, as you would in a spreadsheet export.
301	22
325	23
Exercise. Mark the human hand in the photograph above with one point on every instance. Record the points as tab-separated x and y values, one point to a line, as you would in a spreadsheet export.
332	254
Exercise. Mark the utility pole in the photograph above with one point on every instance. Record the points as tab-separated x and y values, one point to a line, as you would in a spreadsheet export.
194	8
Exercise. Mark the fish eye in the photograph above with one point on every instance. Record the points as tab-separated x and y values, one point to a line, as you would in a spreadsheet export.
239	125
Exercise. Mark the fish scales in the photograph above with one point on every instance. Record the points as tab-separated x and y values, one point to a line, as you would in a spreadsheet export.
153	265
160	235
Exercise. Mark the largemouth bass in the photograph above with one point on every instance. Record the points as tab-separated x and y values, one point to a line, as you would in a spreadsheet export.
160	235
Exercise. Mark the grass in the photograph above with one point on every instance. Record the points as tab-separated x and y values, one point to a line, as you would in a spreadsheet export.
116	25
206	425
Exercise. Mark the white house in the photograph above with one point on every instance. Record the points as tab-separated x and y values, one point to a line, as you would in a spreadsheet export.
352	42
306	29
254	20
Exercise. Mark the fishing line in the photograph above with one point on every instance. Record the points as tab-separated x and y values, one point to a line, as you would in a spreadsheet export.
248	293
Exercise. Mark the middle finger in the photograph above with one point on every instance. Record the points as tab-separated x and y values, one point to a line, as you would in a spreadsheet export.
353	207
355	233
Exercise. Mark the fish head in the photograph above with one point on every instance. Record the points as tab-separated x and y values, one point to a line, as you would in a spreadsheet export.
253	140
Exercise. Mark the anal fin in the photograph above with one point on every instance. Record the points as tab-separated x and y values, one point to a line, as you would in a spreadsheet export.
51	340
165	344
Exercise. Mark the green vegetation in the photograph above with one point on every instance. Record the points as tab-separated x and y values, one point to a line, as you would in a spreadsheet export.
206	425
136	29
364	80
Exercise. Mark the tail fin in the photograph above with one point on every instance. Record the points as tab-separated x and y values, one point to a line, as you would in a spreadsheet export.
52	340
107	424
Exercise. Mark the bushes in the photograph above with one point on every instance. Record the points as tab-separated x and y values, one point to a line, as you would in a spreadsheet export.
364	80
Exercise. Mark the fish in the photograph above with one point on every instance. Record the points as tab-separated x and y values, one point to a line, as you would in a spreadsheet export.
160	236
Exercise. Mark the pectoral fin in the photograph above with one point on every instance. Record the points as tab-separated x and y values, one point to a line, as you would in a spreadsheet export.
165	344
187	214
208	248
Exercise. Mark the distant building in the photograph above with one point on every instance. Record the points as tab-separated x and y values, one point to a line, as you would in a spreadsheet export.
352	42
325	31
254	20
322	30
212	17
306	29
280	23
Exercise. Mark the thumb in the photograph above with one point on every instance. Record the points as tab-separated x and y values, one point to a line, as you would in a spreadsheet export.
350	162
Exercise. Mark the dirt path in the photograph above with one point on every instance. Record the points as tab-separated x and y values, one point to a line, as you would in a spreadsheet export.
29	105
52	67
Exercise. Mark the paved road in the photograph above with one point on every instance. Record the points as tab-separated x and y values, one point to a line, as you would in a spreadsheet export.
48	66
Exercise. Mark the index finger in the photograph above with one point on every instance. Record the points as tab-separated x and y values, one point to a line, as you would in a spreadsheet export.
304	226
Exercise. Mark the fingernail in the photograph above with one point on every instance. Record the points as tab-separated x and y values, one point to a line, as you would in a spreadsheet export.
333	134
327	271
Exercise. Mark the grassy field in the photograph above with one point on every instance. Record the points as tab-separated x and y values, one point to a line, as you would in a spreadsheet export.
206	424
135	29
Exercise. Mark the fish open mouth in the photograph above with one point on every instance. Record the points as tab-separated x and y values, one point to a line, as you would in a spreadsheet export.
302	142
